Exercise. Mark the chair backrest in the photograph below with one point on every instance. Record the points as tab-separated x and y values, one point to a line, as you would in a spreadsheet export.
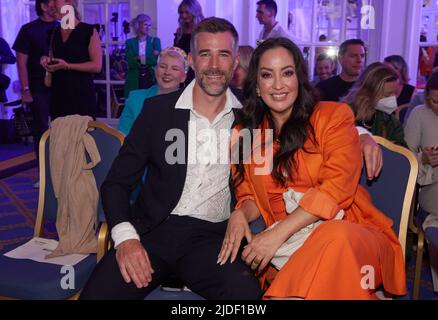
108	141
116	103
392	192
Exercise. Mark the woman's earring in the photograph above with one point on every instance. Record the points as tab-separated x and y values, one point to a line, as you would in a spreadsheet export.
258	92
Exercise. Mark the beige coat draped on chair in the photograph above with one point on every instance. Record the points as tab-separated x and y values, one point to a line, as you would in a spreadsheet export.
74	184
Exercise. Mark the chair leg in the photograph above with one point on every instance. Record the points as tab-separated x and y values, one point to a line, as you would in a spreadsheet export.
418	264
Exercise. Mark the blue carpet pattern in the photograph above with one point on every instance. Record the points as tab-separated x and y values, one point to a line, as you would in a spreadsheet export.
9	151
18	207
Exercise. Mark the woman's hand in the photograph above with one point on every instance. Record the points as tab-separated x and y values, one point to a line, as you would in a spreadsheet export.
430	156
372	154
237	228
260	251
44	61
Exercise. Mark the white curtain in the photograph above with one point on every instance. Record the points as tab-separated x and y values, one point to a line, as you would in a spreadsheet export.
13	14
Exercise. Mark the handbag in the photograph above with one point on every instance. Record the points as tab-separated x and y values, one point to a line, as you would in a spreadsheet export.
23	122
48	79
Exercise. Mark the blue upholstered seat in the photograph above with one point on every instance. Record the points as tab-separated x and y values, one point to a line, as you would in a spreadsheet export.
27	279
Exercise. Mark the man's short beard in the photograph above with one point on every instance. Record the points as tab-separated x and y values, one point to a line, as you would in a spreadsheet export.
215	93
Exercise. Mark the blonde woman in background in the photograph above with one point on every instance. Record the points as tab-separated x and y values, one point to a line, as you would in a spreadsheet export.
170	72
241	71
190	14
373	100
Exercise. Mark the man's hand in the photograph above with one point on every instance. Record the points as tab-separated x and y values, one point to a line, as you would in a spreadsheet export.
134	263
372	154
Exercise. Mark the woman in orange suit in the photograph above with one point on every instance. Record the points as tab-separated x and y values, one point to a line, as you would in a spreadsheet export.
325	239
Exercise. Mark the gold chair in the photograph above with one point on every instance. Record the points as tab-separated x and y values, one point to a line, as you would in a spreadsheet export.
415	225
116	103
393	191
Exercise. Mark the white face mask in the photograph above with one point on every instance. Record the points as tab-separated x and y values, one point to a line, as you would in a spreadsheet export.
387	105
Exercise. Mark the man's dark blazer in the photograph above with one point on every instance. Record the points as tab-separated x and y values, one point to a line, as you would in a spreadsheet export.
145	146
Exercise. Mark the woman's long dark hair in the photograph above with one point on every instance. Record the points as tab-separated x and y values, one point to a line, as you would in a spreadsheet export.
296	130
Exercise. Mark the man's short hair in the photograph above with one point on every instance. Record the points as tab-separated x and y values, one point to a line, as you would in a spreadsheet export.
38	9
214	25
344	45
270	5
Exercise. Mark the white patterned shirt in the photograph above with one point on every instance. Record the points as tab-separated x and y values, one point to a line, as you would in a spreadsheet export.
206	194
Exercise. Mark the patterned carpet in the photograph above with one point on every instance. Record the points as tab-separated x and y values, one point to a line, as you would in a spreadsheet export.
18	206
15	158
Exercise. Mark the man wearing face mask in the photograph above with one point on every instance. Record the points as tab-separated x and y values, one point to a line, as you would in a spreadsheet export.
373	100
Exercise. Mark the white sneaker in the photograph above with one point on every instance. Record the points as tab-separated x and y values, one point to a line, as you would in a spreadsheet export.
36	185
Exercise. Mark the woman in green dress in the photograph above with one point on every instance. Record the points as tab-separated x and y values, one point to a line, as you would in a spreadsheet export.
141	53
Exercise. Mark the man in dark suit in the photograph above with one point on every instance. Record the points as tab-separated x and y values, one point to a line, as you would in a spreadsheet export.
178	222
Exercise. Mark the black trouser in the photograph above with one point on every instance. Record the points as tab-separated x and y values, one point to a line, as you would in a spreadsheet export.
185	247
40	113
145	77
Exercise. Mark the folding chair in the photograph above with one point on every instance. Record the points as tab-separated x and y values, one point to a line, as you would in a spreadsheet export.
28	279
117	103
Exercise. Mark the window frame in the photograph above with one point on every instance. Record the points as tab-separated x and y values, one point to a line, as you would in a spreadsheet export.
314	43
